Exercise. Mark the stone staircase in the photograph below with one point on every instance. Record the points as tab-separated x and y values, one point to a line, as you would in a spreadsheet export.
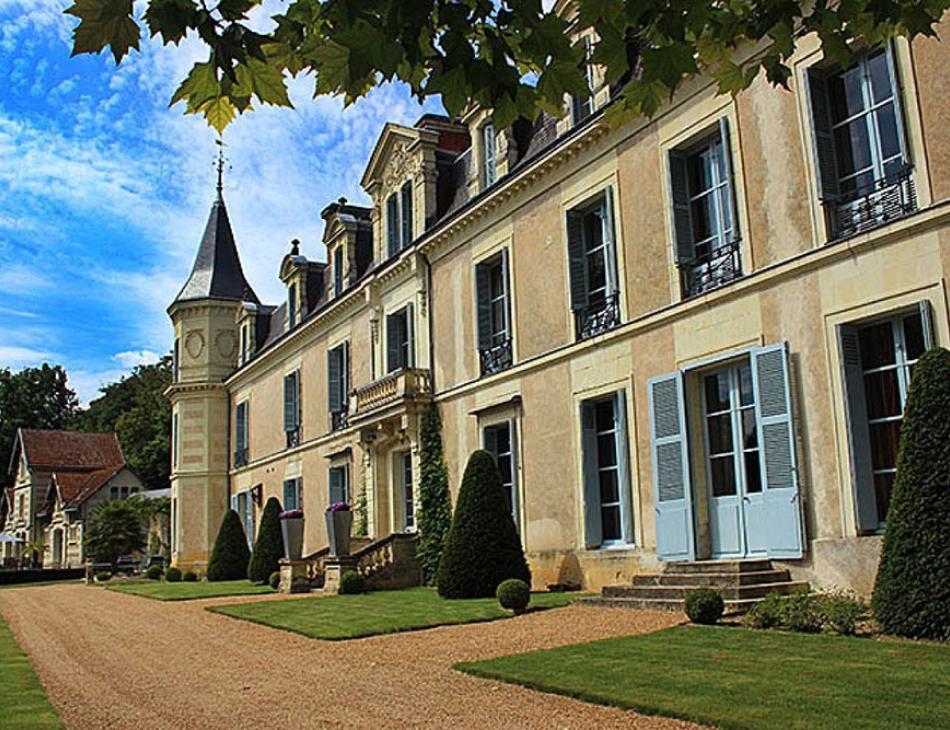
742	584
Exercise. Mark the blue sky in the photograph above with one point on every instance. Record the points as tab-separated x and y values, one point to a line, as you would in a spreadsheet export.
104	190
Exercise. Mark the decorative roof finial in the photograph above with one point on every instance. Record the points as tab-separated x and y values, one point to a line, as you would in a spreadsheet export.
220	166
295	247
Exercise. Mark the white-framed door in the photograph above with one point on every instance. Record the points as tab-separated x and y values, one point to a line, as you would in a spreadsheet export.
402	468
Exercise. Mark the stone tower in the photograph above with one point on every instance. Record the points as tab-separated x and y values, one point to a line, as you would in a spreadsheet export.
205	353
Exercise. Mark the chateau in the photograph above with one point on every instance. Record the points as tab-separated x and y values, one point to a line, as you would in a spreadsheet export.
684	338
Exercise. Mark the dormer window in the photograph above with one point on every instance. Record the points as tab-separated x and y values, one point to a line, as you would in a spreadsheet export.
583	106
488	148
399	219
244	343
338	278
291	306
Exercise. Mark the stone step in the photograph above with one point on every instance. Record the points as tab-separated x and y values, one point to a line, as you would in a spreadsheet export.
718	566
661	604
678	592
712	580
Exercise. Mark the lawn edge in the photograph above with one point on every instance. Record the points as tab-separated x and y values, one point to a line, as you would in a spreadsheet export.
179	599
33	673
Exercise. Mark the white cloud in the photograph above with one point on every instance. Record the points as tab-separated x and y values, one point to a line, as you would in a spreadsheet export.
133	358
21	279
19	357
87	383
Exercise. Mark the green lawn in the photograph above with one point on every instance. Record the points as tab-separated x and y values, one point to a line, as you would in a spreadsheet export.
162	591
23	702
738	678
379	612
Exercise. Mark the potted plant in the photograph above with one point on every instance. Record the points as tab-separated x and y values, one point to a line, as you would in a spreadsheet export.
339	524
291	525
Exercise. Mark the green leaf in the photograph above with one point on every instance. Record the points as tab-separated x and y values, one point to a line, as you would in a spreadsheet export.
104	23
219	113
200	85
171	19
668	64
332	63
265	80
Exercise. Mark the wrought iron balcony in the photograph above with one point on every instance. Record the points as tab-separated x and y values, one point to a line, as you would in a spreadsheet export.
241	458
402	385
893	196
293	437
712	270
496	358
597	318
339	419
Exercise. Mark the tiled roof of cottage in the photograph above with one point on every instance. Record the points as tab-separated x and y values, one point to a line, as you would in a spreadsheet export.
76	487
70	450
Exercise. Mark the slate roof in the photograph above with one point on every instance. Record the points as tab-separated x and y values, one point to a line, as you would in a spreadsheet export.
217	273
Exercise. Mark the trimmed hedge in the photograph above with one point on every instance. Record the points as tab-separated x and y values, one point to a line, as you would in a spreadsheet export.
190	576
514	594
31	575
352	583
154	572
269	546
230	556
482	548
704	606
173	575
912	590
274	580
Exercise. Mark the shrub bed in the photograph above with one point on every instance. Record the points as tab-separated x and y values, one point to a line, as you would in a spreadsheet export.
352	583
154	572
834	612
173	575
190	577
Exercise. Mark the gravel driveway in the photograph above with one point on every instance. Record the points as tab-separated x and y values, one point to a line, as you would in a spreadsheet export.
120	661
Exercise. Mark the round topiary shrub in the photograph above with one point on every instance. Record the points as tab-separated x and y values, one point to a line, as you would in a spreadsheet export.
274	580
269	546
352	583
173	575
513	594
704	606
230	555
190	577
154	572
912	590
482	548
103	575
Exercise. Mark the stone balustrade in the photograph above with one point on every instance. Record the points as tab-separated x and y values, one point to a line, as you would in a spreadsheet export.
409	383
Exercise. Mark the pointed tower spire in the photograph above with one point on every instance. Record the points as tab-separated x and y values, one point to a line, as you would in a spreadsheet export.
220	164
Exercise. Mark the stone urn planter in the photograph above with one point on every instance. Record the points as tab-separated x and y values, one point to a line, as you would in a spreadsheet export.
291	525
339	525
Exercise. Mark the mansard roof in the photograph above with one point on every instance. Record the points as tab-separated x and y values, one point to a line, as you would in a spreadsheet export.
217	273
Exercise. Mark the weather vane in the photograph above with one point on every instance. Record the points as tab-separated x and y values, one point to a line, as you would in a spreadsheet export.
220	166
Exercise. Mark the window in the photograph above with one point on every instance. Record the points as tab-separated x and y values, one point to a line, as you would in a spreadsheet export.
244	343
399	228
241	434
124	492
291	306
607	512
243	504
494	314
704	226
292	408
498	439
113	492
338	384
175	440
293	489
595	284
878	359
175	364
583	106
732	447
338	270
340	484
406	214
404	475
392	225
488	148
399	340
864	171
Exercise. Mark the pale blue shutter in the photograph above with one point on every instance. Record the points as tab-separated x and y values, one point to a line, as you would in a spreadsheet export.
927	325
593	524
623	464
334	376
337	486
898	102
779	467
240	425
345	374
682	215
726	139
610	242
515	495
392	225
410	337
290	406
859	436
249	517
506	282
407	214
672	492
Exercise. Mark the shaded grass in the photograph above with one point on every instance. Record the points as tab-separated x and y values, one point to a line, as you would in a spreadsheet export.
379	612
162	591
738	678
23	702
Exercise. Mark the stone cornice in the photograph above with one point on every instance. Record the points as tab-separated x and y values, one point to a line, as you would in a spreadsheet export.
183	388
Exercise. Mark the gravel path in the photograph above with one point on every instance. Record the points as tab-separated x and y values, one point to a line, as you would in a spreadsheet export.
119	661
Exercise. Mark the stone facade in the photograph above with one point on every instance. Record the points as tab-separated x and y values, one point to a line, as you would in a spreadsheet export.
759	319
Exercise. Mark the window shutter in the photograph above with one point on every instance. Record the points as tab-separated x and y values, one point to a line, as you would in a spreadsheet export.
289	501
345	370
393	338
488	135
336	485
859	437
334	375
392	225
823	141
779	468
682	216
672	492
578	266
290	401
726	139
240	426
593	526
927	325
483	296
898	102
623	462
407	214
490	440
234	503
410	337
515	496
610	241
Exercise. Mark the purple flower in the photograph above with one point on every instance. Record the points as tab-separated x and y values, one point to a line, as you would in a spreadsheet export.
338	507
291	514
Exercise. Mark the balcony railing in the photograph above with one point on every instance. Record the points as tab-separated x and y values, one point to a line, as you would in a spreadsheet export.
712	270
893	196
597	318
240	458
402	384
293	437
339	419
496	358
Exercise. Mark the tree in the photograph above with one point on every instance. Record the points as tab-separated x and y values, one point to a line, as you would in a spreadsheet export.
435	508
230	555
156	515
912	591
33	398
136	408
482	548
514	57
114	530
269	547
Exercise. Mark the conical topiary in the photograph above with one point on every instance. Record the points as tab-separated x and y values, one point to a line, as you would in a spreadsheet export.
230	555
912	591
482	548
269	546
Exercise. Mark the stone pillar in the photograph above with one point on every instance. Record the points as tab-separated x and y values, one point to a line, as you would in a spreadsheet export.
293	576
333	570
